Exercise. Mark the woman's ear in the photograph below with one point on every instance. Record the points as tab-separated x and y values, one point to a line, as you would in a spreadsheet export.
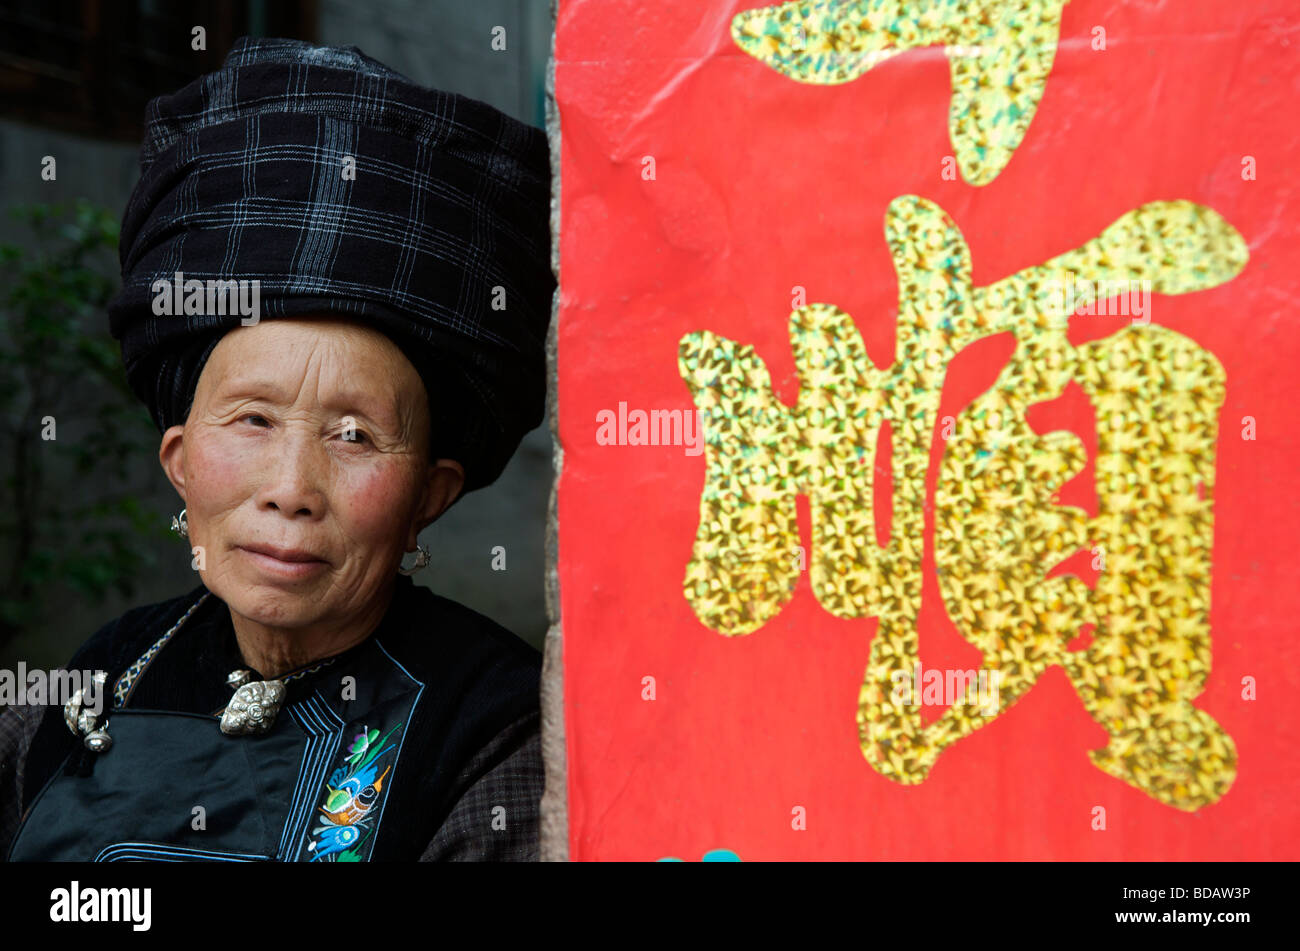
171	453
446	477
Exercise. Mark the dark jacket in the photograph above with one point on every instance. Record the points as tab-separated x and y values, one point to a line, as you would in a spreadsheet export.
422	742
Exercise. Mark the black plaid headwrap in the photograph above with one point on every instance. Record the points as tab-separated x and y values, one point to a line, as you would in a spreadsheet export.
441	240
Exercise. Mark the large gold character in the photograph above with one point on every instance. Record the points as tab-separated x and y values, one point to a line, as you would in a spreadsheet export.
999	535
999	52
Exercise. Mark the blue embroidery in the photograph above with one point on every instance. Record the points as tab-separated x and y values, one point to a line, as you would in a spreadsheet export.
352	794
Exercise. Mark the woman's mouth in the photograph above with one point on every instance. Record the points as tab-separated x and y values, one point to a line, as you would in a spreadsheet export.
289	563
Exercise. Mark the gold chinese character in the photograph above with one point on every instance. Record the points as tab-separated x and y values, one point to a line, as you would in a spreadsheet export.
998	534
999	54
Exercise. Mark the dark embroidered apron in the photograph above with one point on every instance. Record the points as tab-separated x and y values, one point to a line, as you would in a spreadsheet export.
312	788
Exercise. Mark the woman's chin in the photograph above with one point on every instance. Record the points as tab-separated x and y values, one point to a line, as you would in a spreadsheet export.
277	612
272	603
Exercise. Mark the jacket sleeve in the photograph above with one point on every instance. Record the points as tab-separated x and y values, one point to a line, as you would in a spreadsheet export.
17	727
497	817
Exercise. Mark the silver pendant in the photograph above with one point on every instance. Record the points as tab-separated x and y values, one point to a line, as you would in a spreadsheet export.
82	722
79	720
253	708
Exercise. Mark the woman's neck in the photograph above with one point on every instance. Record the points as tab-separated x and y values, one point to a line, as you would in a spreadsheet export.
274	651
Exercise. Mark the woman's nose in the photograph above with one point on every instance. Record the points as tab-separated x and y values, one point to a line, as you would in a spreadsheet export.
294	471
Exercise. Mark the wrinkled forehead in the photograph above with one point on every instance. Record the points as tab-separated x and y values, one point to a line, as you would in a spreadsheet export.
315	361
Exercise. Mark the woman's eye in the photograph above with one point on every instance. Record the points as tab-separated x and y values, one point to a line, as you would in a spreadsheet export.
354	435
260	420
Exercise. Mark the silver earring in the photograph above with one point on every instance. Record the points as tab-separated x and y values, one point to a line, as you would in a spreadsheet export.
180	525
421	559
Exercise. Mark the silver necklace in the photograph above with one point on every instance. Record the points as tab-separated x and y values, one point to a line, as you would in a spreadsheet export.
252	709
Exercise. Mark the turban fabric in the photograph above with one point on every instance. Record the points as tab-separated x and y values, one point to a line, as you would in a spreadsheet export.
346	190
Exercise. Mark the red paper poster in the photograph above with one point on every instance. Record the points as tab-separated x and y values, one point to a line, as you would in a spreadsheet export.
926	380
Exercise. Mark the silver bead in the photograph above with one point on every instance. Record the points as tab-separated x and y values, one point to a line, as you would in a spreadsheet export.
98	741
72	712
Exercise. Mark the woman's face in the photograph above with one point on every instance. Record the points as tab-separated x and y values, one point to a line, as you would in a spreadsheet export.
305	472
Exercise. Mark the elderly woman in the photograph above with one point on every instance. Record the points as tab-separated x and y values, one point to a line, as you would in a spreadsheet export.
307	701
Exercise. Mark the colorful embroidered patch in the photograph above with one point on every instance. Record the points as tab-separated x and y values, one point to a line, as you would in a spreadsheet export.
353	797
